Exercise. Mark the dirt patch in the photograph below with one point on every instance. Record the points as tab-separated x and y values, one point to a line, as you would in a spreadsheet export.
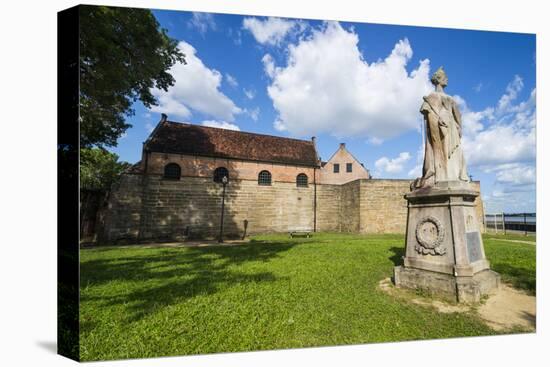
508	308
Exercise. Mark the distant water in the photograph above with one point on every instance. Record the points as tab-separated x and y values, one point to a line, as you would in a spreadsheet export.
530	218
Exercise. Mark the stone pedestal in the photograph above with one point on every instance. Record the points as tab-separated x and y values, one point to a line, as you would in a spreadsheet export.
444	249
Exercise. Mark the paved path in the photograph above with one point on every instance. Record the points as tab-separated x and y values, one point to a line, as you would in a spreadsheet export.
534	243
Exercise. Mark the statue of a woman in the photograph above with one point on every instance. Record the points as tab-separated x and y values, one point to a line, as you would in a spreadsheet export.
443	158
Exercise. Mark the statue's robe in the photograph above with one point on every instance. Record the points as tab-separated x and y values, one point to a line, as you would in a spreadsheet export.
443	157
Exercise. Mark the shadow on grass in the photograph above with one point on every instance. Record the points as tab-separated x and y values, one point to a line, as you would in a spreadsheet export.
183	273
519	277
397	257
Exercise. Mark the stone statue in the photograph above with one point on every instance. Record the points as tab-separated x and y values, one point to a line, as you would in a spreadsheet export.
443	157
444	251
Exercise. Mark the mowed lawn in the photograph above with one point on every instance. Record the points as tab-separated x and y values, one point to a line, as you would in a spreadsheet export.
273	293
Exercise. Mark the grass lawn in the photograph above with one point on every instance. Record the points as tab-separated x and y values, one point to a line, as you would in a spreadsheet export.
271	294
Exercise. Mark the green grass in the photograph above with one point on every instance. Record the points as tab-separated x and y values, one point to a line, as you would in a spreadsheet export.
274	293
514	261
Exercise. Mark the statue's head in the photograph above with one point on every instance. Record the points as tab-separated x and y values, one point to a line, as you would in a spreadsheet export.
439	77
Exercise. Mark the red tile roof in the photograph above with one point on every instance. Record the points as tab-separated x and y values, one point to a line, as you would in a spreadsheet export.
183	138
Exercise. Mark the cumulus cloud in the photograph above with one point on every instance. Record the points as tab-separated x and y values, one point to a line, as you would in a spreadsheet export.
501	140
220	125
271	31
517	175
512	90
500	144
202	22
505	133
327	86
395	165
197	89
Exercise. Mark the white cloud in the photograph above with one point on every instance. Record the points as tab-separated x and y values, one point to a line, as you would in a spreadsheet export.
254	113
511	94
249	93
416	171
500	144
269	65
516	174
327	86
231	80
149	127
395	165
501	141
375	141
502	134
202	22
271	31
221	125
196	90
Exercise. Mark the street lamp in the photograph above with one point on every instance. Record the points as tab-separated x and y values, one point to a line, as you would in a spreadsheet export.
224	183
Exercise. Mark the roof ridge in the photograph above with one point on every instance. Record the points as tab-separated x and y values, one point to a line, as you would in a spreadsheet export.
238	131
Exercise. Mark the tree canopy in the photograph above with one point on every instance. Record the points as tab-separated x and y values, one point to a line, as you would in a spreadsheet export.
123	54
99	169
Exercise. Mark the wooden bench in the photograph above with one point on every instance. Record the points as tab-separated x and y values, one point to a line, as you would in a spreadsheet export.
300	233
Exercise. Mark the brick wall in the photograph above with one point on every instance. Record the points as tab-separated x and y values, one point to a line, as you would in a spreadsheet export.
194	166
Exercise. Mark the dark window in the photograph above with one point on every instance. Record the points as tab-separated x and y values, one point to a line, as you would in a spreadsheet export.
172	171
264	178
220	173
348	167
336	168
301	180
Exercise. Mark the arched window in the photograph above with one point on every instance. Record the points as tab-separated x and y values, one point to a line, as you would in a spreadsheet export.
301	180
264	178
172	171
219	173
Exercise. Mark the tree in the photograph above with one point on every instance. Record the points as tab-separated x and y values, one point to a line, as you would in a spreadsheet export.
123	54
99	169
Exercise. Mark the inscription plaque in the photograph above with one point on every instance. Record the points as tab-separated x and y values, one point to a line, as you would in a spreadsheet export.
474	246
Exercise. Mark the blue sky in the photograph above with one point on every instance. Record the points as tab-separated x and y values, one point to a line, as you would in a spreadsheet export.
356	83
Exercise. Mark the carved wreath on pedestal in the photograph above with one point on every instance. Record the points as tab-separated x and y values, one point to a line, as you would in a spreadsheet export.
430	234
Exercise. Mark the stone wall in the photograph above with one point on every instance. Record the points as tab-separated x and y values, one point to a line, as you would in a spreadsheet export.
171	206
350	213
383	207
328	207
123	214
151	207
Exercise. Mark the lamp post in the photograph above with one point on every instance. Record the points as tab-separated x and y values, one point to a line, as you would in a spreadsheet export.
224	183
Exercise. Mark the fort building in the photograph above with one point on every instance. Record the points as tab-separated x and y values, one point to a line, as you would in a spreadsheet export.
275	184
